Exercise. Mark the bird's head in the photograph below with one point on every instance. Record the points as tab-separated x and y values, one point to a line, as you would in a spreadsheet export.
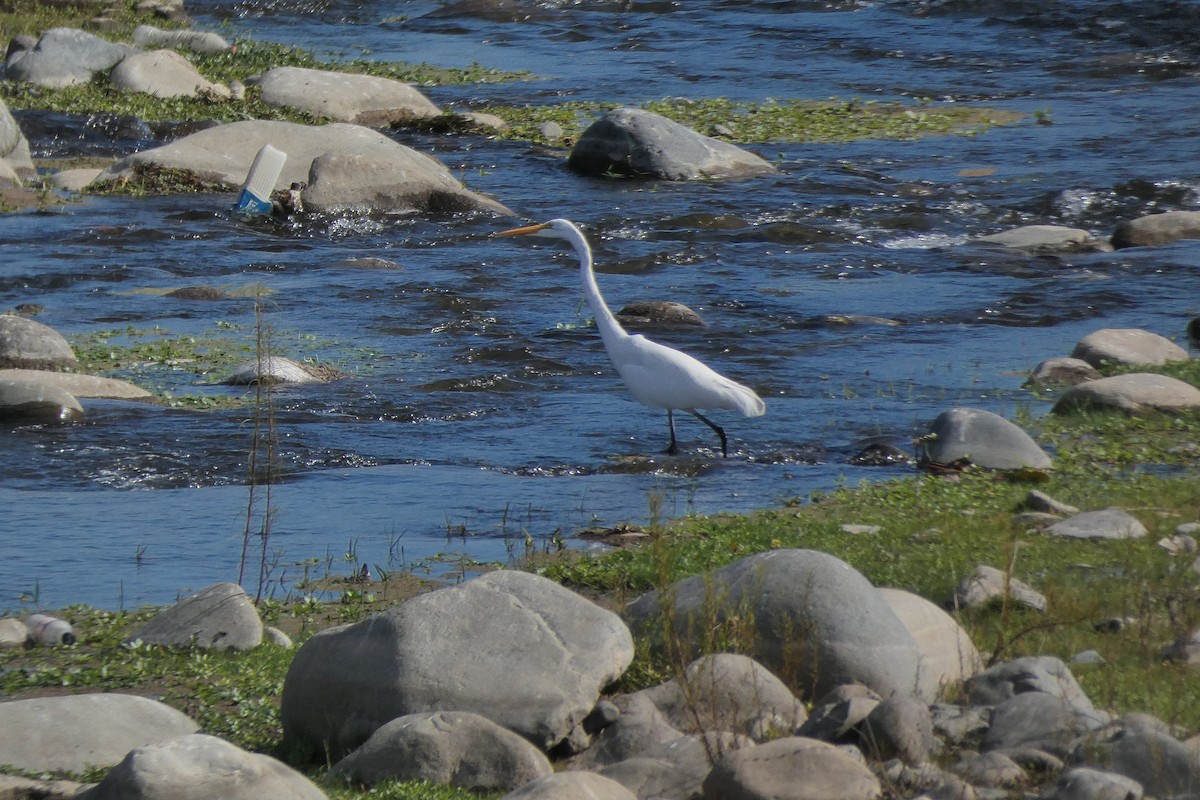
554	229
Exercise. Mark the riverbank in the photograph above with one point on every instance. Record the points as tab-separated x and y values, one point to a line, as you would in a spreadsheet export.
1112	609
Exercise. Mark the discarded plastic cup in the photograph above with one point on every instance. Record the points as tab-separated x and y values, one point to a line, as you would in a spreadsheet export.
260	181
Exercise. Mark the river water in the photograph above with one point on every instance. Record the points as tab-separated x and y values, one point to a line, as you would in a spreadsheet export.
482	417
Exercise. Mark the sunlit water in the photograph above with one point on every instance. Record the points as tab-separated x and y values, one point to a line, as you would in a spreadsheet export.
482	416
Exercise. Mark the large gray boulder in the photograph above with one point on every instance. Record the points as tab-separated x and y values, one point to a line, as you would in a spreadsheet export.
222	155
455	748
73	733
14	147
517	648
201	767
78	384
65	57
638	143
1127	347
221	617
27	344
981	438
371	182
1155	229
33	399
345	97
817	622
947	654
1039	720
1131	393
163	73
792	768
1041	238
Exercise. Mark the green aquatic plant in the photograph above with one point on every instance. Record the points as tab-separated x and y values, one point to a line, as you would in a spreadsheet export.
794	120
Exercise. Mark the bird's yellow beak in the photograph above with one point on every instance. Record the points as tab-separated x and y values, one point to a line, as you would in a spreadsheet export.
524	231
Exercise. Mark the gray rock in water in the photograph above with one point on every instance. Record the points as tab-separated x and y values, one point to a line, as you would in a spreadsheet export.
163	73
345	97
393	182
899	727
275	370
1084	783
638	143
223	155
65	57
1042	239
454	748
1063	371
79	385
197	41
517	648
26	344
74	733
1132	393
659	312
727	692
981	438
817	622
201	767
572	785
14	147
1107	523
1155	229
987	584
32	399
948	656
1127	347
221	617
793	768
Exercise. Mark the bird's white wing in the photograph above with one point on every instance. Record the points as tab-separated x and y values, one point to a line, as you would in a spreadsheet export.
664	377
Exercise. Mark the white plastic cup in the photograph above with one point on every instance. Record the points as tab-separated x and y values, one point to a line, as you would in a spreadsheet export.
46	629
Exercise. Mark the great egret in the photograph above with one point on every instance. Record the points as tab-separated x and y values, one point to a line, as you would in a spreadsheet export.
657	375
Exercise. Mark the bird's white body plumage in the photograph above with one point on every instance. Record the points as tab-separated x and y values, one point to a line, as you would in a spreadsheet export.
656	375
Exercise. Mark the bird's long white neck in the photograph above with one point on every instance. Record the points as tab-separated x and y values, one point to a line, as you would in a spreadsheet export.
611	331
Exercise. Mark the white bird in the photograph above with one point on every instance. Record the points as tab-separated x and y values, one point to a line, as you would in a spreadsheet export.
657	375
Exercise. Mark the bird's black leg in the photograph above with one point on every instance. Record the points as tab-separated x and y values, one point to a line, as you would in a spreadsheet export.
717	428
672	448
